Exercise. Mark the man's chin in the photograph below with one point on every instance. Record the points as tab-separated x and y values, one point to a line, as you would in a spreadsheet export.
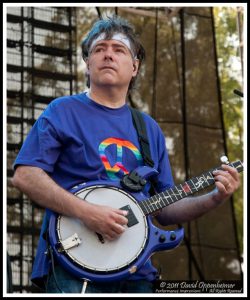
108	80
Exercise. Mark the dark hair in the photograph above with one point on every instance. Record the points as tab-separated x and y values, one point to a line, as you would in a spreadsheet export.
109	26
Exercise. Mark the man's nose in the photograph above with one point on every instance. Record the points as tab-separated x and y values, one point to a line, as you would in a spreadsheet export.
108	54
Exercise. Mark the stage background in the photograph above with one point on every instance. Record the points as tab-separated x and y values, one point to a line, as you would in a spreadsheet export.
179	86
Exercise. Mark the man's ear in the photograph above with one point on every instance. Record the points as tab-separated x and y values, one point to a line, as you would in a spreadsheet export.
135	67
87	66
87	62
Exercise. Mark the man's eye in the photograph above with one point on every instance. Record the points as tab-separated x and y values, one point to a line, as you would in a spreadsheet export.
99	49
120	50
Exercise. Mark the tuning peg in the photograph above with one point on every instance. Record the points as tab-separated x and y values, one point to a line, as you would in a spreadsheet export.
224	160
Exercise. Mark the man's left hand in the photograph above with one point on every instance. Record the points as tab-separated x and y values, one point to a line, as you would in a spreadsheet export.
227	182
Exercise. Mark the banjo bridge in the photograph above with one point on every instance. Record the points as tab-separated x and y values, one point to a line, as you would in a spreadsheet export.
132	220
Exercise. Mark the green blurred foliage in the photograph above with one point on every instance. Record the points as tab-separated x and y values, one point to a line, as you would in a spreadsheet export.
227	26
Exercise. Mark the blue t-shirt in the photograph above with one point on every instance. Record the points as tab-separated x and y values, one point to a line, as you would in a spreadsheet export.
77	140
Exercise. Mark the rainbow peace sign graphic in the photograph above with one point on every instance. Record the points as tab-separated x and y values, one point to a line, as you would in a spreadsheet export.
120	143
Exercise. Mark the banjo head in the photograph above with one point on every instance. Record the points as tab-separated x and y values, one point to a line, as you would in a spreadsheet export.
89	250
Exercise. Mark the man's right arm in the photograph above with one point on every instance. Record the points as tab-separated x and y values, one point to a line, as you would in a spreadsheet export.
43	190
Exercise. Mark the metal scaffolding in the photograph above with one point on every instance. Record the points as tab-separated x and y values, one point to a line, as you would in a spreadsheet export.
40	67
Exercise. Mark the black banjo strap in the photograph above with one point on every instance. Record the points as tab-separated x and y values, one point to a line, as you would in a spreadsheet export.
141	129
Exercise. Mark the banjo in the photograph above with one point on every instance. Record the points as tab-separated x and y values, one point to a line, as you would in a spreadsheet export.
87	255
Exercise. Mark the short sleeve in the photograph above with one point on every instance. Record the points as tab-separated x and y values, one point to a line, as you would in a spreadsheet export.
42	145
164	179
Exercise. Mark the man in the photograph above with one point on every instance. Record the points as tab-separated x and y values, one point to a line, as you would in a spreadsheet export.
90	136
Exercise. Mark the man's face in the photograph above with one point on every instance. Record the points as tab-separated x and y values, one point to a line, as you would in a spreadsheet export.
110	63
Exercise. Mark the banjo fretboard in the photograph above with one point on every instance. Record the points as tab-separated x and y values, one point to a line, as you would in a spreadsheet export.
181	191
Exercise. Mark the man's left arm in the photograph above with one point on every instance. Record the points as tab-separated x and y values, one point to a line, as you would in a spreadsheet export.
227	181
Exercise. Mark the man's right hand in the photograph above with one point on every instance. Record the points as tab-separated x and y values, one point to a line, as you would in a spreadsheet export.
107	221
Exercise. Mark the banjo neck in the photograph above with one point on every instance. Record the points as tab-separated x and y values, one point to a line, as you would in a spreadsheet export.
180	191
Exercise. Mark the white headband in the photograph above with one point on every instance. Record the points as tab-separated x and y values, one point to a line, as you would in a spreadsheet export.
118	37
